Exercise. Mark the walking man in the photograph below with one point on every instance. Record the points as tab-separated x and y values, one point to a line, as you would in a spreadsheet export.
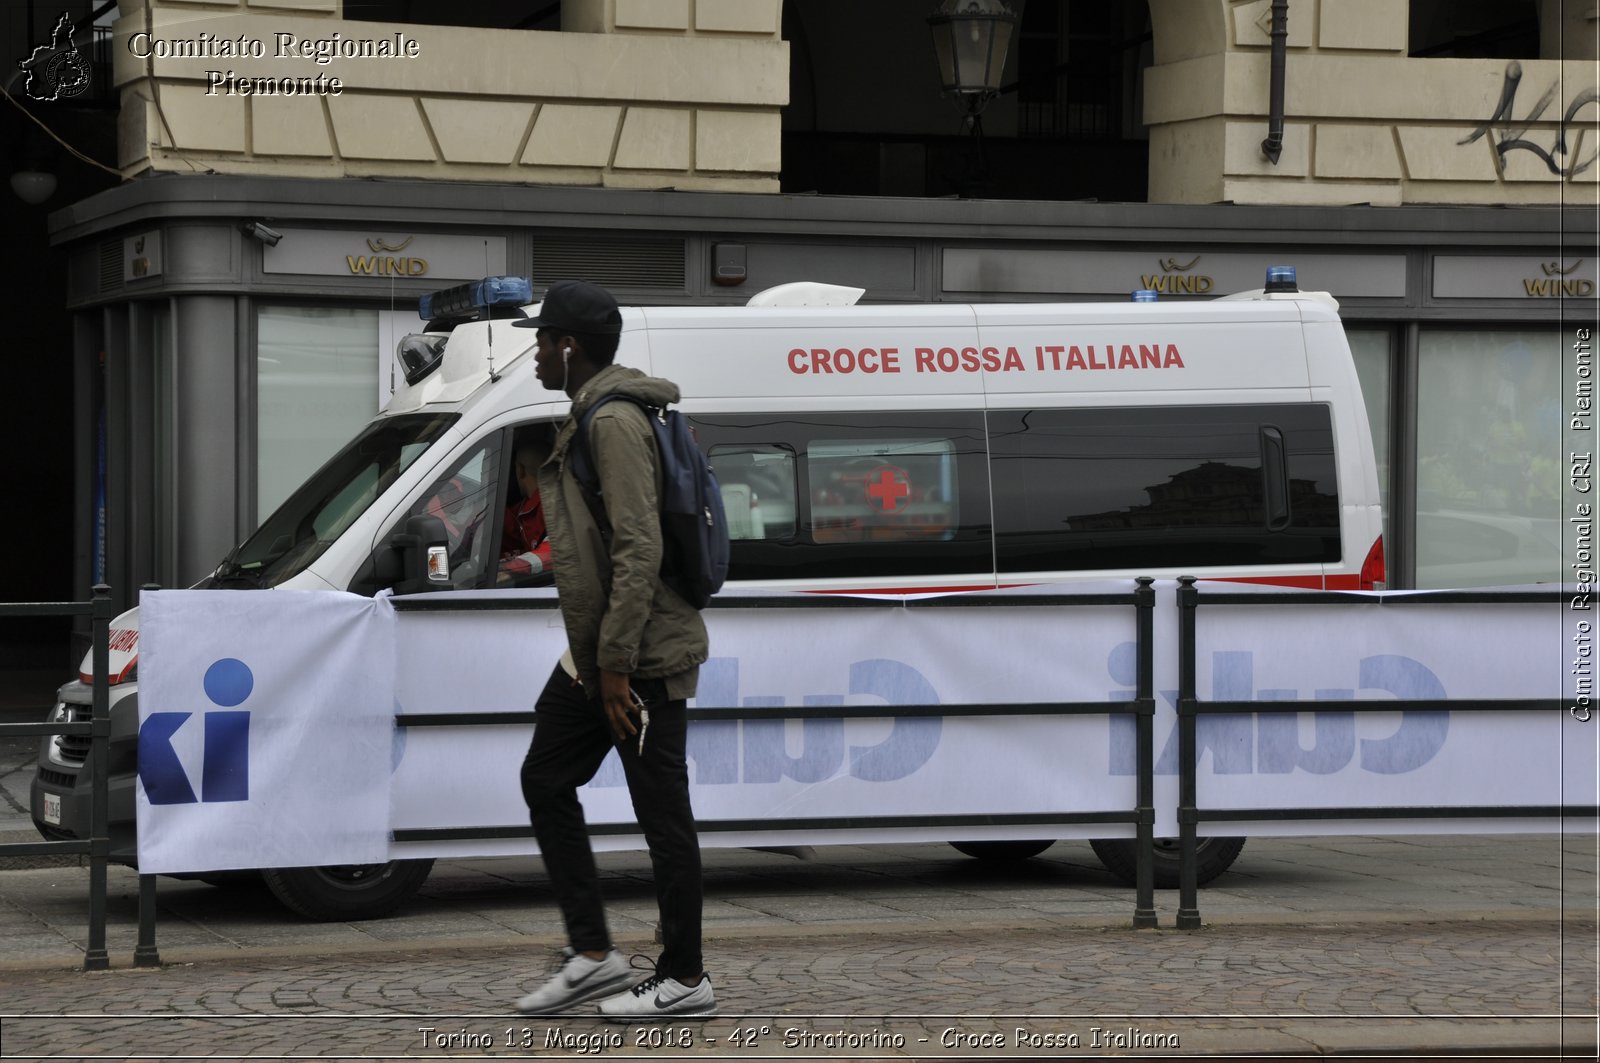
634	650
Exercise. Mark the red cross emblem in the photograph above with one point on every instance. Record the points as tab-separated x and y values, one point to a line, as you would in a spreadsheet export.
887	487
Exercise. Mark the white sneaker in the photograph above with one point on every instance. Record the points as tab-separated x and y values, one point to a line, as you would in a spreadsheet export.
578	980
661	999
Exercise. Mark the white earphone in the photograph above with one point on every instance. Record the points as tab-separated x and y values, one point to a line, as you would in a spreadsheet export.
566	353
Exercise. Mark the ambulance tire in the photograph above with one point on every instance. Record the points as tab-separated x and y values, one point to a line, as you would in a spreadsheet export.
1006	850
347	892
1213	857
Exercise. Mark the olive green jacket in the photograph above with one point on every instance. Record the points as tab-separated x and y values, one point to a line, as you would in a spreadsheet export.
618	613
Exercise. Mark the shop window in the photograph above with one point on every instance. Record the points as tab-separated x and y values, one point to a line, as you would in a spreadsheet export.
1489	450
316	385
1372	350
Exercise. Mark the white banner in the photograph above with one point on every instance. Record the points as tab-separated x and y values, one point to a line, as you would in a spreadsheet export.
779	769
792	781
266	723
1418	758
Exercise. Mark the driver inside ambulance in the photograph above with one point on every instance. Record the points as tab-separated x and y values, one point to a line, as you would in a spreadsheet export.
524	547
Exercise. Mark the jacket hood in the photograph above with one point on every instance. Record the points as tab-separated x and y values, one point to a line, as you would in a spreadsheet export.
625	380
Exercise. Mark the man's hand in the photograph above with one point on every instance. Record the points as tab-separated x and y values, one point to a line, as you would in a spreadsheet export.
616	700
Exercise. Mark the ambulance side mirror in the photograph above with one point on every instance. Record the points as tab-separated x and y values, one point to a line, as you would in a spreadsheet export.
416	559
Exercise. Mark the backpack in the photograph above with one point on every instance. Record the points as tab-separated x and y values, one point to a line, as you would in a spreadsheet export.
694	526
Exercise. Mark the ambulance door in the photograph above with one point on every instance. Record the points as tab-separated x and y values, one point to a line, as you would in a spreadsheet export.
468	498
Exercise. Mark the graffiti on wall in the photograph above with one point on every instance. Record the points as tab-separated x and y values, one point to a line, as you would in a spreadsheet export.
1513	131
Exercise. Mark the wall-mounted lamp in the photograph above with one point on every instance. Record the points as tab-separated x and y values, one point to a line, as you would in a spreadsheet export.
33	186
261	231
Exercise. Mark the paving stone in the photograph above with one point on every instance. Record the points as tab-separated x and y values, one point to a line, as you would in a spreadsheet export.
1241	989
910	952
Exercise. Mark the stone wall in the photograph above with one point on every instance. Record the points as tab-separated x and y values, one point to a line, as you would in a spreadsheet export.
632	93
1364	122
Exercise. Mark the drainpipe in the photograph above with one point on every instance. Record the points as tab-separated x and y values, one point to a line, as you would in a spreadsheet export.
1272	147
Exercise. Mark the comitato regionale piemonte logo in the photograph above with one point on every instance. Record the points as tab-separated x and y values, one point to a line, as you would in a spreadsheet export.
56	71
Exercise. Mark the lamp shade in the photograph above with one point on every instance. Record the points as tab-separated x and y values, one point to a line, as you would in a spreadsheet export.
33	186
970	41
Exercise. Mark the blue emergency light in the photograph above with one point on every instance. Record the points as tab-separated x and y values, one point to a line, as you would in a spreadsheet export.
469	300
1281	279
1145	295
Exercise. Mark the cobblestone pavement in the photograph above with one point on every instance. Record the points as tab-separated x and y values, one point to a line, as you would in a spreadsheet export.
1456	986
1370	946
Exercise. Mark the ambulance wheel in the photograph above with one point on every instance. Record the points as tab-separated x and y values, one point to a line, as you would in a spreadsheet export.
347	891
1213	857
1002	850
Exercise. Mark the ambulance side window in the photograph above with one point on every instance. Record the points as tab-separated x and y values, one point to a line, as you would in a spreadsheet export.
882	490
1161	487
869	493
758	489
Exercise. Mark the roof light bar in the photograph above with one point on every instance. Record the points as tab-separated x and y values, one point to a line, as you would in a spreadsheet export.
468	300
1281	279
1145	295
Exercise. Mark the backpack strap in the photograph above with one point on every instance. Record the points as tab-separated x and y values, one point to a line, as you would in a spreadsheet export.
579	453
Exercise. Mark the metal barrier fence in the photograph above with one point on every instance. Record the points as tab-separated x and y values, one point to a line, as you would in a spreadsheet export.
1190	708
1142	708
98	730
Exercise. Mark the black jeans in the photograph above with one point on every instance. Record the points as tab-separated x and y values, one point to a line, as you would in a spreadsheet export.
570	739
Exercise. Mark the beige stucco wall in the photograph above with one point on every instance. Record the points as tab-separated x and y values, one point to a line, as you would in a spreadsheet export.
1364	123
689	93
632	93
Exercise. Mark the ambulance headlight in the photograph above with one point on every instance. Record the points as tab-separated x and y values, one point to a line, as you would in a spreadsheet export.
1281	279
420	354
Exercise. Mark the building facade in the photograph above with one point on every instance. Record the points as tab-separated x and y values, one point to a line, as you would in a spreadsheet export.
234	300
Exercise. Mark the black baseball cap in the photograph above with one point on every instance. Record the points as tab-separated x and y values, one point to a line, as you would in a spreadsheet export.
577	306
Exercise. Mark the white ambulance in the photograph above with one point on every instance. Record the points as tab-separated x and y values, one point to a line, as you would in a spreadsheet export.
883	449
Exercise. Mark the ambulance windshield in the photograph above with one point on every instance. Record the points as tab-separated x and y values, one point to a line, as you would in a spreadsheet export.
329	502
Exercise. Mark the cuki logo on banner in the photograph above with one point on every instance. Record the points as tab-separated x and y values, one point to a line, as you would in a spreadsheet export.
225	746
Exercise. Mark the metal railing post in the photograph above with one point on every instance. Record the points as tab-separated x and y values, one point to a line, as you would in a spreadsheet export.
145	953
95	957
1188	864
1144	877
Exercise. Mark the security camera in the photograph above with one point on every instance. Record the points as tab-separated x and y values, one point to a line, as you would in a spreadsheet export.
259	231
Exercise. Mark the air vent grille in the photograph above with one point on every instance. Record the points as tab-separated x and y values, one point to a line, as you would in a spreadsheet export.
110	266
610	261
